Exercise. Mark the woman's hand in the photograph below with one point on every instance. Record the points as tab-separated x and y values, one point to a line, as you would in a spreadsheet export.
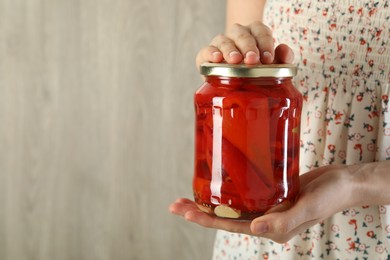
324	192
250	44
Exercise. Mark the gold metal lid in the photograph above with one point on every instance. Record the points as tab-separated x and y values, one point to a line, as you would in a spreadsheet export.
248	71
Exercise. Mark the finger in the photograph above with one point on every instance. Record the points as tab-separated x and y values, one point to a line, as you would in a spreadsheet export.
286	221
245	42
228	48
185	200
209	221
181	208
209	54
283	238
265	41
283	54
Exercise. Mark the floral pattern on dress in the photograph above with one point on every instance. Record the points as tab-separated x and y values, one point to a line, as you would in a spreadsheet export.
342	50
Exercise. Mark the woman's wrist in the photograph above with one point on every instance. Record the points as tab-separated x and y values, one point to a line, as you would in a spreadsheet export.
370	183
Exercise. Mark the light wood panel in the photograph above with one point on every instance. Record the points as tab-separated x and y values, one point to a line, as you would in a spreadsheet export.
96	127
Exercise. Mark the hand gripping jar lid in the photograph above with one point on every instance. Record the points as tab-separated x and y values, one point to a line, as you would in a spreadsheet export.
248	71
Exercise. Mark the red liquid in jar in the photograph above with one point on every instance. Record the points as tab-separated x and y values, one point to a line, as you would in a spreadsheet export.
247	144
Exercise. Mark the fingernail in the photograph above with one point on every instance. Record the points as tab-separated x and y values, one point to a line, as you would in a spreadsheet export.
250	54
216	55
267	55
260	228
233	53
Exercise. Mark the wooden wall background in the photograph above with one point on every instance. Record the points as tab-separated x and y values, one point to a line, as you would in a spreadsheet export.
96	127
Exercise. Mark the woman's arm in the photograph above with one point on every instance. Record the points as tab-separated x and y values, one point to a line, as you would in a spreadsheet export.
373	182
244	12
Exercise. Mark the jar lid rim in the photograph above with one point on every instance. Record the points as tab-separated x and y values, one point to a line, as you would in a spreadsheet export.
248	71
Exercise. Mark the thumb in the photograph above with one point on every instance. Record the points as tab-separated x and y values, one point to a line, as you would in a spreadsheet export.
283	219
276	223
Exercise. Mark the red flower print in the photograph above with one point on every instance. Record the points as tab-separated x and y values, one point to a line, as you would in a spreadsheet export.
359	148
385	97
362	247
318	114
356	137
353	222
342	154
331	68
351	245
368	127
331	147
381	50
326	90
325	162
311	147
360	11
339	46
373	114
337	117
369	218
352	213
332	246
379	249
372	12
351	8
362	41
356	71
297	11
387	229
370	234
371	147
371	63
329	39
359	97
335	228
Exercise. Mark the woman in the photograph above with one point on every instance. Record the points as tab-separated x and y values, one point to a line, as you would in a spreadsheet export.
342	51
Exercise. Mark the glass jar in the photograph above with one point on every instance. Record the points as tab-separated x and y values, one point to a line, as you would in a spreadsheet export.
247	139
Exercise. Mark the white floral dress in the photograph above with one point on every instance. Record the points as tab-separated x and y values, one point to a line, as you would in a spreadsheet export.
342	48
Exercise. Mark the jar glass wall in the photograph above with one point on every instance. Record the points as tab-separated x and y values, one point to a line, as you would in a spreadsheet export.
247	143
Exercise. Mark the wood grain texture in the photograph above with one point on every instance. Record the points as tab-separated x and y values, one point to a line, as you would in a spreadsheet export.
96	127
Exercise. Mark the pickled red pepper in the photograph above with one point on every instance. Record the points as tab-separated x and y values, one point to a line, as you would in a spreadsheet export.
233	166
